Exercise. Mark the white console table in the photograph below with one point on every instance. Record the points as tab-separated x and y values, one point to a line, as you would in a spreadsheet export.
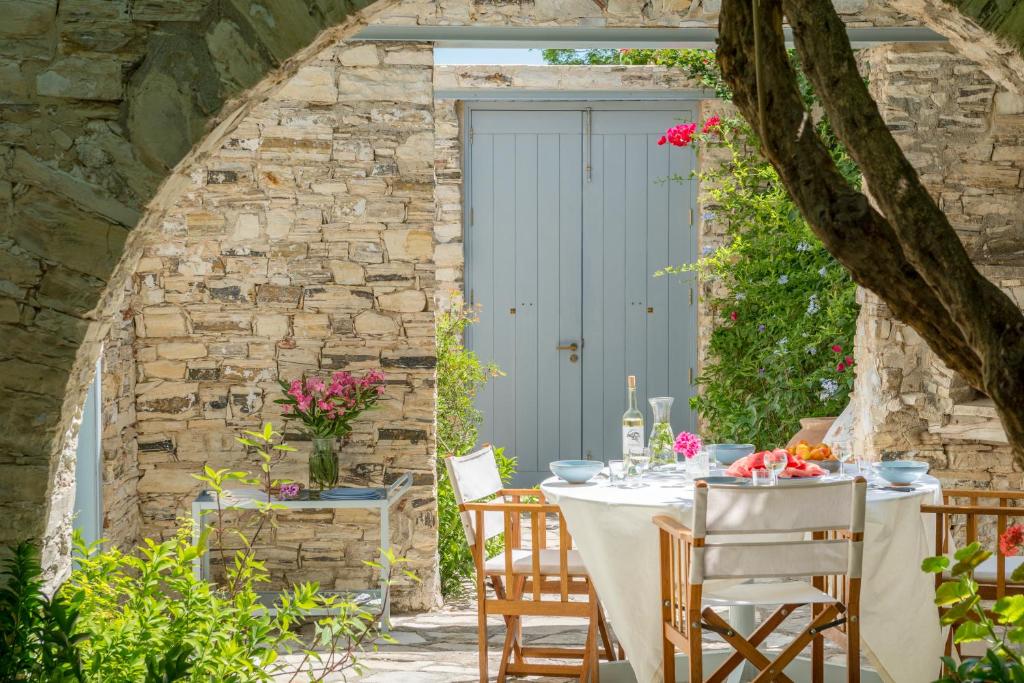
371	597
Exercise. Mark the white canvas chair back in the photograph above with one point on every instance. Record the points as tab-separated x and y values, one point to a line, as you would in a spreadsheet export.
475	476
761	532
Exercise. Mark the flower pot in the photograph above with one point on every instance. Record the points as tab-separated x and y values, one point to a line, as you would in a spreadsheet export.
323	464
812	430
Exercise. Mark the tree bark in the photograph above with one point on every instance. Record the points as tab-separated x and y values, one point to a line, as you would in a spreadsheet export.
905	251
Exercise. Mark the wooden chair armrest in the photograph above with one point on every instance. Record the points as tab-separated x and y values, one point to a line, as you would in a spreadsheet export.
982	493
672	526
501	506
972	510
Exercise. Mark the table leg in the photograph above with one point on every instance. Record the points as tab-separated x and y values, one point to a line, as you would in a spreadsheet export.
197	533
385	571
741	618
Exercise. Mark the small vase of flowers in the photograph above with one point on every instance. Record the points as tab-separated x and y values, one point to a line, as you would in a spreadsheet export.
690	447
326	408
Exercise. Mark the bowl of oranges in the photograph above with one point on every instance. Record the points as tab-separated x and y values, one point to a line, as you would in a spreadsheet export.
820	455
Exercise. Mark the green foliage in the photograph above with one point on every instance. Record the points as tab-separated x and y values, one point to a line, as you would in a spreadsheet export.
144	616
780	300
460	376
1000	627
37	634
570	57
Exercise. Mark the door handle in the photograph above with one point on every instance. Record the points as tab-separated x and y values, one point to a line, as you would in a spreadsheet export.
568	347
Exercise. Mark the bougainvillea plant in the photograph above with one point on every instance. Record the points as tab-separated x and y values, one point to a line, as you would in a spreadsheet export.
328	407
785	309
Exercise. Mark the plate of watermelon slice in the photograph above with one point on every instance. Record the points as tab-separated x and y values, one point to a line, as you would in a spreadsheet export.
796	468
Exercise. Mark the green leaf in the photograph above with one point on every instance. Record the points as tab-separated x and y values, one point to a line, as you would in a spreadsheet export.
1010	609
935	565
969	632
949	592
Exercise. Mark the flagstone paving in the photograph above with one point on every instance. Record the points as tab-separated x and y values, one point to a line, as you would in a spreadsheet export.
440	646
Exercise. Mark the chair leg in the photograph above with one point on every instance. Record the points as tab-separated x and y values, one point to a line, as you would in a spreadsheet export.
506	650
817	651
481	628
591	651
668	655
695	656
853	648
602	625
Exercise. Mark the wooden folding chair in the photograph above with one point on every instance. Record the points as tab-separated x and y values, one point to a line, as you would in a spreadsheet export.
741	533
969	515
523	577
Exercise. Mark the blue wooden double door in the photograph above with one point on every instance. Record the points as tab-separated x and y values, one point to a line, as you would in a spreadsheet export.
570	211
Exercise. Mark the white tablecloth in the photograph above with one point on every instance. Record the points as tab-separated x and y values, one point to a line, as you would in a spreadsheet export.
612	529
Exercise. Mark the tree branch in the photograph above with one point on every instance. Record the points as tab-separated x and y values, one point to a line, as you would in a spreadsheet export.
910	257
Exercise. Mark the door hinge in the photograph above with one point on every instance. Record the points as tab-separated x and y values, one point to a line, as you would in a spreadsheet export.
472	297
691	217
691	375
472	216
691	296
588	166
472	134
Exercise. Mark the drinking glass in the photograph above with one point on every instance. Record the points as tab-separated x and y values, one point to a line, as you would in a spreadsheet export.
865	467
775	463
636	464
760	477
617	472
845	460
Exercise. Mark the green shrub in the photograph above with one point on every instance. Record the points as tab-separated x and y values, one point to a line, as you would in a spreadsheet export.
144	616
460	376
781	302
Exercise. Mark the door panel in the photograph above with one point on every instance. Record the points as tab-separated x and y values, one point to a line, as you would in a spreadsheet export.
524	254
555	258
635	222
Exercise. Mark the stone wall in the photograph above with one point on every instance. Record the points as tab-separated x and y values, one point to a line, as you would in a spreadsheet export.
966	138
303	244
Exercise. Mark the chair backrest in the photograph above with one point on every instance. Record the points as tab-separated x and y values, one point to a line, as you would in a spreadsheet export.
805	529
474	477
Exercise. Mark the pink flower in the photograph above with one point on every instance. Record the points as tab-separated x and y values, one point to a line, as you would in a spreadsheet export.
314	384
286	409
711	123
1012	539
680	135
323	405
304	403
687	444
289	491
848	360
295	390
837	348
841	367
734	316
662	140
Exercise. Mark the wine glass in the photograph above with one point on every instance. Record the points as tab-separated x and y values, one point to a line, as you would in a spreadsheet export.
845	460
775	462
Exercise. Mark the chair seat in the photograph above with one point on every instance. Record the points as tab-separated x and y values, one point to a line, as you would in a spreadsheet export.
522	562
729	593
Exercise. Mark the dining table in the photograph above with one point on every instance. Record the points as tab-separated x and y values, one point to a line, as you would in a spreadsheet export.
612	530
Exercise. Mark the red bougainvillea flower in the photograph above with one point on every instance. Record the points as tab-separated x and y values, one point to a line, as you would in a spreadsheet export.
841	367
711	123
733	316
680	135
1012	539
837	348
848	360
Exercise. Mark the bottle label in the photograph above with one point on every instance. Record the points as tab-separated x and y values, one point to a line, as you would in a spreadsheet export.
632	437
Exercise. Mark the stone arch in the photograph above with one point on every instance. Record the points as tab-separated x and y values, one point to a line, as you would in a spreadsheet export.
97	147
105	106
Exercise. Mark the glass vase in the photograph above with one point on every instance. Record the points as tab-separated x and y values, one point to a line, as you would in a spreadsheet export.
699	465
662	439
323	464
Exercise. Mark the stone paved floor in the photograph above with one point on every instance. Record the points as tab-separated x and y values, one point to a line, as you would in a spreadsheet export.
440	646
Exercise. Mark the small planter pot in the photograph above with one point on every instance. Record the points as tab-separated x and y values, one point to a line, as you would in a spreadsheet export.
323	464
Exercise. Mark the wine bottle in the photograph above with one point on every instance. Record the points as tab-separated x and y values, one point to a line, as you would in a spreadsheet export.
632	421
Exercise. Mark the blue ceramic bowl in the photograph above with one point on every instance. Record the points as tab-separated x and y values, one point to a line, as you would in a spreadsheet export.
728	453
901	471
576	471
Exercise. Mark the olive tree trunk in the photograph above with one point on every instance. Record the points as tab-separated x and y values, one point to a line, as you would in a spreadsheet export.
903	247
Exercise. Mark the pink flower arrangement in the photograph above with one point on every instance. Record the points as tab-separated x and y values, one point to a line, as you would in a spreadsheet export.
327	408
681	135
687	444
711	123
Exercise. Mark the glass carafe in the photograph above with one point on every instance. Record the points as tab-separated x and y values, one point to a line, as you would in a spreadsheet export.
662	439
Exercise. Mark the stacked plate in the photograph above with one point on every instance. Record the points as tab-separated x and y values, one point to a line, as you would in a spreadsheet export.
349	493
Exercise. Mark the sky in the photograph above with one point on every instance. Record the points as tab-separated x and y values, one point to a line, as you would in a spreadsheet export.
466	55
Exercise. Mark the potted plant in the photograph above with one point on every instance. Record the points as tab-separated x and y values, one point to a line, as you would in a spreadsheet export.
326	408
